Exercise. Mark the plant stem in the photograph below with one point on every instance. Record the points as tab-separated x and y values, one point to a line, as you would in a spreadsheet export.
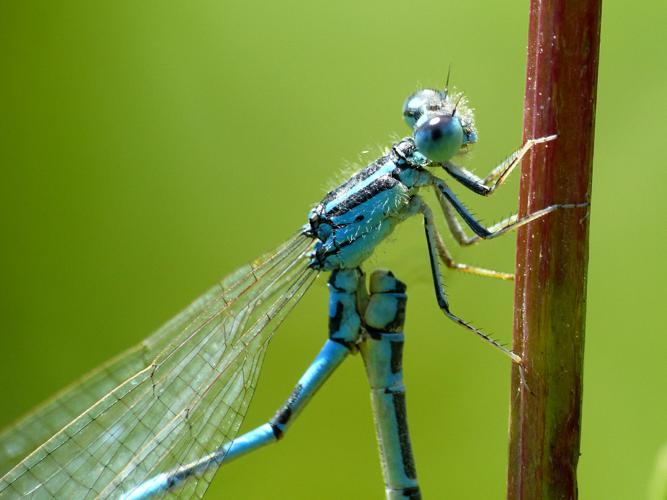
552	255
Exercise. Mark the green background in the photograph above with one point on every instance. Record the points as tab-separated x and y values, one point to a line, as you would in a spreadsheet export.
149	148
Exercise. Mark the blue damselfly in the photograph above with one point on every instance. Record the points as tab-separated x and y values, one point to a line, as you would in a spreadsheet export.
165	415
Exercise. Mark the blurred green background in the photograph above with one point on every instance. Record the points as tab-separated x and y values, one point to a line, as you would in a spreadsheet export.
149	148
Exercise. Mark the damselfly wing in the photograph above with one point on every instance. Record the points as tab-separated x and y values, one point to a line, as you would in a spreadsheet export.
170	400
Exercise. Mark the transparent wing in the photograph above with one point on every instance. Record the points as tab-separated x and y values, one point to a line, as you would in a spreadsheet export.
20	439
174	398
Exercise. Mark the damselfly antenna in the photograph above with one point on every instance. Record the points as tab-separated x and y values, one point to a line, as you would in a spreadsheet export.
457	104
449	73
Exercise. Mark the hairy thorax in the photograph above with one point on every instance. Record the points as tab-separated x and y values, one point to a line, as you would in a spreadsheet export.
355	217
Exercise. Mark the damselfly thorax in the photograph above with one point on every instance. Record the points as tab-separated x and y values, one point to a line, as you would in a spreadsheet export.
355	217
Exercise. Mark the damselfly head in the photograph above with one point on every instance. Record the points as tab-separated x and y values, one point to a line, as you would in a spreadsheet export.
443	125
422	102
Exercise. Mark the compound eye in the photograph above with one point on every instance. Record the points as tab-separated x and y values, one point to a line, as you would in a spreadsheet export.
439	137
419	103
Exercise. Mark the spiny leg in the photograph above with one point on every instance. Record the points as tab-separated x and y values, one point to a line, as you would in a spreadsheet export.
344	330
495	230
449	261
457	229
440	294
497	176
459	234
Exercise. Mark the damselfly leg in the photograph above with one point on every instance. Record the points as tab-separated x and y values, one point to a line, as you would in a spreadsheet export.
450	203
487	185
448	260
440	294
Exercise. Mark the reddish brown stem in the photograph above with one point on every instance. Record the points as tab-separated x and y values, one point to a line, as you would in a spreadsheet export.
552	253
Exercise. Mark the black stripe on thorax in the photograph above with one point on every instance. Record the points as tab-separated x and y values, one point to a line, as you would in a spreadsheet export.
356	178
353	201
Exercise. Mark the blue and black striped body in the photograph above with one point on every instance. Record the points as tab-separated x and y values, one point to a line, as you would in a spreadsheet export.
187	405
355	217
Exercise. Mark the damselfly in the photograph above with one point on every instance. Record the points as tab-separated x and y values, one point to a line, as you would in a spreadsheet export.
165	415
